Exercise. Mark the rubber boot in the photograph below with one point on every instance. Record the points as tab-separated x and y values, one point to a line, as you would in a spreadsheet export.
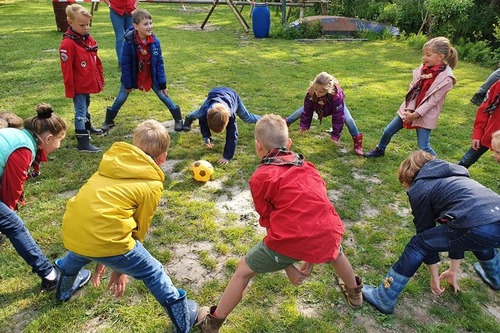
176	113
92	130
385	296
186	127
109	121
377	152
489	271
358	144
68	285
207	322
83	138
182	312
353	296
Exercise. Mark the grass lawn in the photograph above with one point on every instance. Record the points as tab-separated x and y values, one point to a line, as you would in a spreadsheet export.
201	231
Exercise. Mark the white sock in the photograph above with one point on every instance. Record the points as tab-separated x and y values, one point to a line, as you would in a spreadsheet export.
52	275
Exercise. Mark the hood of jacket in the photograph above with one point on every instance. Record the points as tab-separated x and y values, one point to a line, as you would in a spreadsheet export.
437	168
126	161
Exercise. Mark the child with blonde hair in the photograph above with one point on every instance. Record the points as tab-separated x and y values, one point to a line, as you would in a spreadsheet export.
424	100
446	220
295	231
218	113
487	121
325	97
109	218
82	72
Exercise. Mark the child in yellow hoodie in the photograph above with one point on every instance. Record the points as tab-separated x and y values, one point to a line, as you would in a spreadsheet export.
109	218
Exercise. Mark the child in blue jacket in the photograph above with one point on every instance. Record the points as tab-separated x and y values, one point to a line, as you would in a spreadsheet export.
142	68
218	113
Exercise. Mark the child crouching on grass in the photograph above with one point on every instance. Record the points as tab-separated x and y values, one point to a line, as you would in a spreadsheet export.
109	218
301	225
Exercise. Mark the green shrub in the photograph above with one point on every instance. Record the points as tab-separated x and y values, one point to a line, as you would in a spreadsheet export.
306	30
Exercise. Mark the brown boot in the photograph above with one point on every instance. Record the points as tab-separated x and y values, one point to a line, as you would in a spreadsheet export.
353	295
207	322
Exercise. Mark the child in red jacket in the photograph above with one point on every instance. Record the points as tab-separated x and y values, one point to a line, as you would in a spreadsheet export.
301	225
487	122
82	72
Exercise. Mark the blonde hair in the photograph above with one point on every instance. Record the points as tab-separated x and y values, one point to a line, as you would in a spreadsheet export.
11	119
140	14
441	45
72	11
409	168
151	137
218	117
325	80
45	122
271	131
495	141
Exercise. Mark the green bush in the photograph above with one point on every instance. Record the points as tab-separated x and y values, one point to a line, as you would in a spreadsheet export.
306	30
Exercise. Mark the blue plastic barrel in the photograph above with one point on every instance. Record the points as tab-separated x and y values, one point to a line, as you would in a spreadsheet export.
261	20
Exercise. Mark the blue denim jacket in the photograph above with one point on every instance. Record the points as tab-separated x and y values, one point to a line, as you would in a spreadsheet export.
130	65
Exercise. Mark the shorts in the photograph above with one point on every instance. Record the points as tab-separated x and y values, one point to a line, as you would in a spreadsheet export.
262	259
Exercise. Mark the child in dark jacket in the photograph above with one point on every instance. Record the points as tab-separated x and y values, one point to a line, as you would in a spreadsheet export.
218	113
142	68
452	213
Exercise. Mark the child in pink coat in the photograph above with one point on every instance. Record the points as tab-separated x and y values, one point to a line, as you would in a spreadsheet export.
423	103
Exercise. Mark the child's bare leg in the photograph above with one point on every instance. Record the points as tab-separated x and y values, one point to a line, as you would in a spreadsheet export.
295	276
344	270
235	289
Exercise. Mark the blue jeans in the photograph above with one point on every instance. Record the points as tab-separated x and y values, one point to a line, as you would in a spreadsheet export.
241	111
494	77
471	156
81	103
137	263
482	241
348	120
123	95
120	25
15	230
423	135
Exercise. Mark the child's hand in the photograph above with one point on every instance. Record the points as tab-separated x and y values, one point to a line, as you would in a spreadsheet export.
476	144
128	91
223	161
450	277
436	286
208	143
96	278
307	268
165	91
294	275
117	283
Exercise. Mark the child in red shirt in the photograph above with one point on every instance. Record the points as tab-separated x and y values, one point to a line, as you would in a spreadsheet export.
301	225
487	122
82	72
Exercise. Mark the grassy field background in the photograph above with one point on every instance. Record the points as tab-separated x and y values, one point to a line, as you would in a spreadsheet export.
201	231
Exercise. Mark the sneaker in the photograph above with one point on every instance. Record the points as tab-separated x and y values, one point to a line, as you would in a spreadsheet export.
49	285
478	98
68	285
377	152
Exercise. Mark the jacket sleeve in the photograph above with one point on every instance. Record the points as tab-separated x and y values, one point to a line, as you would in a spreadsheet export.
126	65
231	138
307	114
67	57
338	116
146	210
160	69
482	117
261	201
